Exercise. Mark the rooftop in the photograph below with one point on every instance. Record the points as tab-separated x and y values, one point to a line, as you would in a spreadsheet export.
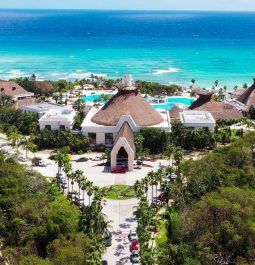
197	117
128	101
248	96
13	89
43	107
58	115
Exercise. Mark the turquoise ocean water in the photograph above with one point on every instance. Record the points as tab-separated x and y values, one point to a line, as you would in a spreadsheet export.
168	47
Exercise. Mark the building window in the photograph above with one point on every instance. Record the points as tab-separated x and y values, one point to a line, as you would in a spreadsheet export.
108	138
93	138
62	127
48	127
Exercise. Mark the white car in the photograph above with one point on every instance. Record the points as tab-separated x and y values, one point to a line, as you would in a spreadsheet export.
22	159
133	235
42	164
134	257
97	158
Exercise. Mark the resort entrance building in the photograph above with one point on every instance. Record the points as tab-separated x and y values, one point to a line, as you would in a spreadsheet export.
123	151
114	125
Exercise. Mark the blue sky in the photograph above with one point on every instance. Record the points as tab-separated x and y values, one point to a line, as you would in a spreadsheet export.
232	5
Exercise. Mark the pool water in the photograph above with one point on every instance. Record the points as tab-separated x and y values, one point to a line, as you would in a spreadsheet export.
171	101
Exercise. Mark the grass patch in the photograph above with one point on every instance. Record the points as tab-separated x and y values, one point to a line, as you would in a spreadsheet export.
162	234
119	192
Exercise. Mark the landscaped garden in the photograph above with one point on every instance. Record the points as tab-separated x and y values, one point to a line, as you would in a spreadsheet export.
119	192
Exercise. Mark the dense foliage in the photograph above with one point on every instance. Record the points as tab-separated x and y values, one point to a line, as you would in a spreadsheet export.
153	88
219	229
209	215
191	138
57	139
38	225
155	140
25	123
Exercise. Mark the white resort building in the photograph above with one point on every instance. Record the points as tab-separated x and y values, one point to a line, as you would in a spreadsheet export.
197	119
55	119
41	108
114	124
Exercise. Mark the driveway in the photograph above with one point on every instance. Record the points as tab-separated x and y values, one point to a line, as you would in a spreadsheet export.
118	212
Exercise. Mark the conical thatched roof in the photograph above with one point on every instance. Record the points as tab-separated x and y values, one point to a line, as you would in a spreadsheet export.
248	97
127	102
204	97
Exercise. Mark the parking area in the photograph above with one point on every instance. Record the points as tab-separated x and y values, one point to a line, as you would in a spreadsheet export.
118	212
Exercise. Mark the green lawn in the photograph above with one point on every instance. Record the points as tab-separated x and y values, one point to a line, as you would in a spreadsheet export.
119	192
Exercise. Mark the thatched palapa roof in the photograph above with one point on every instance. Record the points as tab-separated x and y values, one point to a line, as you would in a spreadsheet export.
248	96
127	102
219	110
11	88
174	112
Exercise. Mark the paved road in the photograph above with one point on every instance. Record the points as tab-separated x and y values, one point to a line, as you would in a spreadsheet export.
120	213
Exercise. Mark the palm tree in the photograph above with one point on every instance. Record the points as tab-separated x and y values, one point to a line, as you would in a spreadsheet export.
32	147
178	155
169	152
24	143
90	189
193	81
14	137
59	157
145	183
216	83
151	181
83	184
78	176
138	188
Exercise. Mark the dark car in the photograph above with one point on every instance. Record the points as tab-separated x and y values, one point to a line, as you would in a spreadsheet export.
104	262
134	257
82	159
71	195
119	170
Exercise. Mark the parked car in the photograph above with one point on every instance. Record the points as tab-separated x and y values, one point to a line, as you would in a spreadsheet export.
132	235
37	162
64	185
71	195
119	170
104	262
62	180
22	159
78	200
134	257
134	246
155	202
82	159
97	158
161	197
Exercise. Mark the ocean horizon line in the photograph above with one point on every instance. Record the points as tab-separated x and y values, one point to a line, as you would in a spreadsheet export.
124	10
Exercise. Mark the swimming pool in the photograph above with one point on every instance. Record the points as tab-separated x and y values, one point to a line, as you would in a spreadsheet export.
171	101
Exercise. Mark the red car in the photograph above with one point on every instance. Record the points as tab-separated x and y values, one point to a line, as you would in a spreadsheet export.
161	197
134	246
119	170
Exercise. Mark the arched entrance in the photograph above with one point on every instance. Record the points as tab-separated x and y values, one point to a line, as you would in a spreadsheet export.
122	158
